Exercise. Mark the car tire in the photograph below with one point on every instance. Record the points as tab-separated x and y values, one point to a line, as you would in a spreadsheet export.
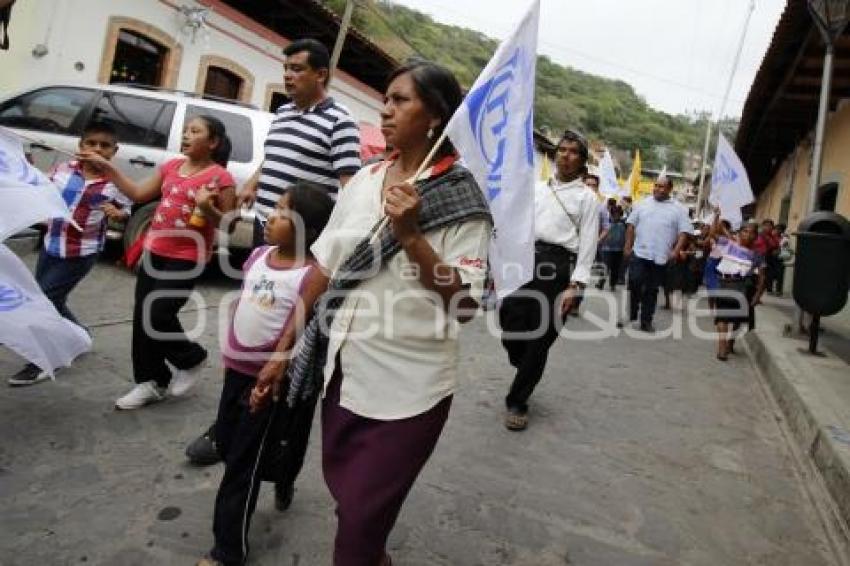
138	222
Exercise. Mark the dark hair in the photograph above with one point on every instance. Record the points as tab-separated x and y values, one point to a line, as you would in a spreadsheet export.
221	153
313	206
767	221
439	91
726	224
317	54
98	127
576	137
591	176
781	227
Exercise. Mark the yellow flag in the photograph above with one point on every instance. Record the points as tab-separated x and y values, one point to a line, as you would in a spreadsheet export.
634	178
545	169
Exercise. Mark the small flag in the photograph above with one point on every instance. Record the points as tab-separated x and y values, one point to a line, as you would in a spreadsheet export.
608	185
26	194
634	178
730	184
493	132
29	323
545	169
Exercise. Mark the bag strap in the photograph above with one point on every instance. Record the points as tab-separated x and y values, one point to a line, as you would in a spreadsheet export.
563	206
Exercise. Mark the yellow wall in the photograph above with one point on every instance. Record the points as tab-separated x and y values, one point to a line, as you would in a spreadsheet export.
836	168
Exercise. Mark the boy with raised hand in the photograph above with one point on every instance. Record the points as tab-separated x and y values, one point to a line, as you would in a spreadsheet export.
71	251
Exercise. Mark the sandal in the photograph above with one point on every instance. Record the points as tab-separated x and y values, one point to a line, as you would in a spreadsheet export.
516	420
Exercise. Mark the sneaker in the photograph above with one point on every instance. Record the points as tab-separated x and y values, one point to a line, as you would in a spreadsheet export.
203	450
647	327
142	394
283	494
184	380
30	375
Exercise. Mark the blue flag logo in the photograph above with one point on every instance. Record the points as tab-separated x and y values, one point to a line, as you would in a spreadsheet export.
489	115
726	173
11	298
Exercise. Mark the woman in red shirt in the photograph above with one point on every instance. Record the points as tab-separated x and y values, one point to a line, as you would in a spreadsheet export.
196	192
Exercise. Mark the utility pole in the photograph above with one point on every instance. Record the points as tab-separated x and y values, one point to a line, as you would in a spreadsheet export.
340	37
701	193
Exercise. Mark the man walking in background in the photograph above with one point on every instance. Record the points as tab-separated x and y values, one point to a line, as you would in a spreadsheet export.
656	233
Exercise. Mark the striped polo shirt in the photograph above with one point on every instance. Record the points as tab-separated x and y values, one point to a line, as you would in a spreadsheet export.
318	144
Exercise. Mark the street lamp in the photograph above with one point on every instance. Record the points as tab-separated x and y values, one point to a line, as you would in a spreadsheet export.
831	18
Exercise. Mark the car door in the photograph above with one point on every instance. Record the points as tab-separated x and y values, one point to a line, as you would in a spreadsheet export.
142	125
49	119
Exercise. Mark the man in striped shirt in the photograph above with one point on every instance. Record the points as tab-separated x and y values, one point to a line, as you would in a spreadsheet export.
313	138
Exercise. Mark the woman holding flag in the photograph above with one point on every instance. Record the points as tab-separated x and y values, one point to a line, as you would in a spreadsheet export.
404	256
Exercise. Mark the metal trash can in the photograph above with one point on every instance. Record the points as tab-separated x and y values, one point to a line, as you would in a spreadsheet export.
822	267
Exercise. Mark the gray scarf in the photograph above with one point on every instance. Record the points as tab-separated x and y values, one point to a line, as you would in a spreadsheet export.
446	199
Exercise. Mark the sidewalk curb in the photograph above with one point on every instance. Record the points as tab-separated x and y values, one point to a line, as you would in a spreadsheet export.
820	432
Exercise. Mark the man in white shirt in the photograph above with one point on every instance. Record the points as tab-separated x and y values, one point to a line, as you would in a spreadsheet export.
656	233
566	218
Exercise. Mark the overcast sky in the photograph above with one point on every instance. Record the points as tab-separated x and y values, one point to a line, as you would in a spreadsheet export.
677	54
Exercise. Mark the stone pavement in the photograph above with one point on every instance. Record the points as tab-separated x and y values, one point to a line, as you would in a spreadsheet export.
638	453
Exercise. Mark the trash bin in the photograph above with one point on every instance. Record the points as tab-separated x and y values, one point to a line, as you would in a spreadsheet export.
821	267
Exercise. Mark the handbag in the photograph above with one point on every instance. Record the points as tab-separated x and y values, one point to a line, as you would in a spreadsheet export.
285	440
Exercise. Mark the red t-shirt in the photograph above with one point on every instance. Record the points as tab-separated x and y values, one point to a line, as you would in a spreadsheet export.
765	245
171	219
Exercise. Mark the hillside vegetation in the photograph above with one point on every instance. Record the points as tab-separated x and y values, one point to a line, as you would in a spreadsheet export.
606	110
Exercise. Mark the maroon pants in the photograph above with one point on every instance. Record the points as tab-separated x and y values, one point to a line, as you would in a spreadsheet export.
370	466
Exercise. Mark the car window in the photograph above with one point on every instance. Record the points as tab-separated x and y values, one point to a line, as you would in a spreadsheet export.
238	129
137	120
48	110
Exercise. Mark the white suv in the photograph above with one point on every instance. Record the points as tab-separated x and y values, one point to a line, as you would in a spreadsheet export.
149	124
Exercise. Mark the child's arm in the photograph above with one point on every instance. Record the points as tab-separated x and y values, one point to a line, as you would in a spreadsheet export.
115	213
270	378
142	191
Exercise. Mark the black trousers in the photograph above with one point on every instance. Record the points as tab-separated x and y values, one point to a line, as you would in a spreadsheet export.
242	438
614	263
645	277
532	314
149	352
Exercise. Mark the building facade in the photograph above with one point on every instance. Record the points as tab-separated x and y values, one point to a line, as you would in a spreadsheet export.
775	138
212	47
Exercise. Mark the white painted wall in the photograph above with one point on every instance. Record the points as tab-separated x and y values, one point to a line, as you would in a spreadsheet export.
75	31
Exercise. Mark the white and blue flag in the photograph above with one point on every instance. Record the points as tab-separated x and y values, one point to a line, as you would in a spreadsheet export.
493	132
26	194
730	185
608	184
29	323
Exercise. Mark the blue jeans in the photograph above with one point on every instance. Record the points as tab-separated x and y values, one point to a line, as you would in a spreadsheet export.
57	277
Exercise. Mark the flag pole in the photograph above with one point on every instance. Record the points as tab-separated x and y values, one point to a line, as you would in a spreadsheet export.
385	219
